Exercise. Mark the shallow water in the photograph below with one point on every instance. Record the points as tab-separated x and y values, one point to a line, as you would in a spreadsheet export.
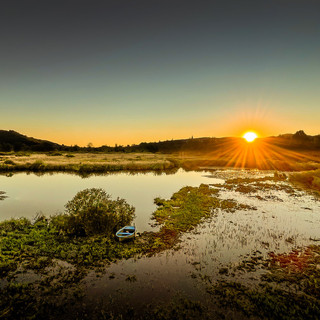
282	221
28	194
279	224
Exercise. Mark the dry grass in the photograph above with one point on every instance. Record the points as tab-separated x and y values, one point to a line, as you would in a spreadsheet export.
237	155
87	158
85	163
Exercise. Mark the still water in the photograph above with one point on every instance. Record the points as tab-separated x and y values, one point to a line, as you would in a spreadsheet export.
281	222
28	194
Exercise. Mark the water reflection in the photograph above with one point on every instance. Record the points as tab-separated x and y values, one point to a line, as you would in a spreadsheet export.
29	193
223	242
281	222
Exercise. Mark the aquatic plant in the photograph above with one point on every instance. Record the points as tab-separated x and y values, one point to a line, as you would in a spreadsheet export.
185	210
2	195
307	179
288	287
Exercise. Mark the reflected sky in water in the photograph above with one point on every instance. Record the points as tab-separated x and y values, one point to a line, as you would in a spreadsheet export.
29	194
282	222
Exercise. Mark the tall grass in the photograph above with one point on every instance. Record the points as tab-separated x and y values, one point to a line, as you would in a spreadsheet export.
81	168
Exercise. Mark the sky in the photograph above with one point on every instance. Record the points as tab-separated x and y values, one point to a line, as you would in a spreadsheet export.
124	72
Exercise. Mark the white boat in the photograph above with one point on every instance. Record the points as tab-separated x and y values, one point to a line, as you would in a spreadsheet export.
127	232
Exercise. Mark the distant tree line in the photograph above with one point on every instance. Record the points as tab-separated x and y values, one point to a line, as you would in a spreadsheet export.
14	141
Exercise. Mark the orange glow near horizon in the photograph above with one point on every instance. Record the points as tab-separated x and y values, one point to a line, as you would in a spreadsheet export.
262	154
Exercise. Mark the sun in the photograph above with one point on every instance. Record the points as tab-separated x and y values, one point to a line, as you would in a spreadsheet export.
250	136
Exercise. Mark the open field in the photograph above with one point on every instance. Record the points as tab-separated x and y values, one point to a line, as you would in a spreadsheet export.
83	162
263	157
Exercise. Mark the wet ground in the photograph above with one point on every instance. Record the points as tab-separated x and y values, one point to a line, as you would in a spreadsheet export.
224	247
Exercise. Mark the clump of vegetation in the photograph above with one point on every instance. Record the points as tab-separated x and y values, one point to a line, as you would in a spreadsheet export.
54	154
37	166
307	179
253	185
22	154
131	278
9	162
2	195
289	289
266	302
182	212
92	211
185	210
277	176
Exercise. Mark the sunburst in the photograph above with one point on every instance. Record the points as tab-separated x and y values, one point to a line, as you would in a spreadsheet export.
250	136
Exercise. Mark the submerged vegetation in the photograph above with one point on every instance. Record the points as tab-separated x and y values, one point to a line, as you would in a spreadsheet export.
288	288
309	180
2	195
84	235
43	262
83	239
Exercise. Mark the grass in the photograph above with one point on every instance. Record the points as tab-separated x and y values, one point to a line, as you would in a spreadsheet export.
185	210
82	163
107	162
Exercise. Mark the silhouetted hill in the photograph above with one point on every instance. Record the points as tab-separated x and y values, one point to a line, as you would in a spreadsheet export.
298	141
14	141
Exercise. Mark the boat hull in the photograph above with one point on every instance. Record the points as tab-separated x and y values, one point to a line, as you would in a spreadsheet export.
126	233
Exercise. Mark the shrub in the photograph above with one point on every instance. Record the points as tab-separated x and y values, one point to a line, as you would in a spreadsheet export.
15	225
92	211
9	162
22	154
37	165
54	154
